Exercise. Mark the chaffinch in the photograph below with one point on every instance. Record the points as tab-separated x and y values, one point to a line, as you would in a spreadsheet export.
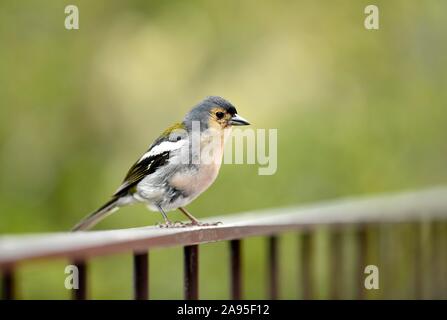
178	166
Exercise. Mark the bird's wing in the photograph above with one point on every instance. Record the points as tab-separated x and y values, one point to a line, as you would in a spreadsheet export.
155	157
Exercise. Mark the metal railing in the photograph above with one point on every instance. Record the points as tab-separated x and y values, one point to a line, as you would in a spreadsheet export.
363	214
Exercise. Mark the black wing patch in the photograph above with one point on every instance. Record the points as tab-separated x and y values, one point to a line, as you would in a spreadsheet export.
140	170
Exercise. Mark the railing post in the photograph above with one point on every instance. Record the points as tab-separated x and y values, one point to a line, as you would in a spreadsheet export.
81	292
444	257
362	245
191	270
273	267
436	256
140	275
336	264
306	262
9	285
417	267
236	269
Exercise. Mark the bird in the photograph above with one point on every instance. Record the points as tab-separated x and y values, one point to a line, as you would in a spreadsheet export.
178	166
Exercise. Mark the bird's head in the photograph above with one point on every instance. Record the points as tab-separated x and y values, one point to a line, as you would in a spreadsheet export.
215	112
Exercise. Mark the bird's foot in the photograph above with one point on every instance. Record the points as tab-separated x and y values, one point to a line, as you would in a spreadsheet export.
169	224
180	224
202	224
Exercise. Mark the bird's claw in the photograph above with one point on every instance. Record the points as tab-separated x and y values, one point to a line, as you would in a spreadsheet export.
204	224
175	224
168	224
180	224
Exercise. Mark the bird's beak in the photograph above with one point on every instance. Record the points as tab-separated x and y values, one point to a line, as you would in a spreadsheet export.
237	120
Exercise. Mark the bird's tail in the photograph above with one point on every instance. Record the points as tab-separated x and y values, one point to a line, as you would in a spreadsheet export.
96	216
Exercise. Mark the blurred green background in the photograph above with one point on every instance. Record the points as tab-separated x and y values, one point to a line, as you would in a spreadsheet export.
357	112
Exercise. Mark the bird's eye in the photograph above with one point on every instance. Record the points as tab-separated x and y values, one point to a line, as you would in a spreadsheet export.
219	115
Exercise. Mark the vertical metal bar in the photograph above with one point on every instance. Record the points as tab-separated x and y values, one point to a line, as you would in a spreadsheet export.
444	258
140	275
436	272
191	270
306	266
81	292
236	269
418	255
362	243
273	267
336	264
9	286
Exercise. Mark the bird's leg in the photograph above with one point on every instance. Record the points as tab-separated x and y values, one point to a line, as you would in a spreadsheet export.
168	222
194	221
190	216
